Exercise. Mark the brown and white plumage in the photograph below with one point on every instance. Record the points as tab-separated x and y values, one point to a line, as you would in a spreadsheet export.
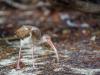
25	31
32	36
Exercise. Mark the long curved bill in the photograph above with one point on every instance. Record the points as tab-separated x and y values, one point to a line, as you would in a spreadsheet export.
54	48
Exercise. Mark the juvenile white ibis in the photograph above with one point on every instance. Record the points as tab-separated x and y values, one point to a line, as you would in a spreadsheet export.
31	34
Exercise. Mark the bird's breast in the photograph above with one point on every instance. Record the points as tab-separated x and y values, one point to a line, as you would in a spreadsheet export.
26	42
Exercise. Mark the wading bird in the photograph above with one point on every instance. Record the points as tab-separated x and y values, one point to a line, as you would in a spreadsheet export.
32	35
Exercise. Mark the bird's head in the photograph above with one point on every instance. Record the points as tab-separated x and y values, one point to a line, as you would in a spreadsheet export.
45	38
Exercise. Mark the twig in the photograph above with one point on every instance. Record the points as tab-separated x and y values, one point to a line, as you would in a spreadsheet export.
17	5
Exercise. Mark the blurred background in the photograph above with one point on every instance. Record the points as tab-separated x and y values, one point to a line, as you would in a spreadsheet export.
56	16
74	27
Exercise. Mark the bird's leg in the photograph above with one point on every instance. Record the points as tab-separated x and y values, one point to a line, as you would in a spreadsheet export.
33	56
32	47
19	57
54	48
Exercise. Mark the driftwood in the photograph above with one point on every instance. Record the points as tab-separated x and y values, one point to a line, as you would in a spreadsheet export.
84	6
17	5
88	7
